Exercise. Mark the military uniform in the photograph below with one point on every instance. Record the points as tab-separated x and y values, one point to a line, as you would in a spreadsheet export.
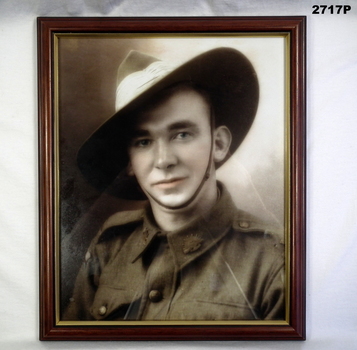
224	266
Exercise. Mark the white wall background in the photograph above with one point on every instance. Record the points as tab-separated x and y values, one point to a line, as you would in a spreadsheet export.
331	168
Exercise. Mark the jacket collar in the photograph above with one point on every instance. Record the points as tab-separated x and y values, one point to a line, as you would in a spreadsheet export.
195	238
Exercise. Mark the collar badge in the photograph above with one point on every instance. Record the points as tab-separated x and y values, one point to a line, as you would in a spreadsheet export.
191	244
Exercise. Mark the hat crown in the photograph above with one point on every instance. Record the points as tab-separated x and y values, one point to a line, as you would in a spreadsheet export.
133	62
148	73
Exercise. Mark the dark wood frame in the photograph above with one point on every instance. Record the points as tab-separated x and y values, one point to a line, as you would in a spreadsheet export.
47	28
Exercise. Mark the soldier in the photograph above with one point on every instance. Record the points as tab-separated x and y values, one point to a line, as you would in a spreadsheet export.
190	254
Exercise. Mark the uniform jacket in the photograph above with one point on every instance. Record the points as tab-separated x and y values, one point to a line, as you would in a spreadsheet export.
225	266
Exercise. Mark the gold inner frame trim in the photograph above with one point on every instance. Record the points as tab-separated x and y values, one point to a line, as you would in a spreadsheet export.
287	167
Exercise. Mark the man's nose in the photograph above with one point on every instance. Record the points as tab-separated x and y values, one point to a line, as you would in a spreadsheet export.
165	157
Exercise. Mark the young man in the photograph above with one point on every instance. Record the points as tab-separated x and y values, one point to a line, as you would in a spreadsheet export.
190	254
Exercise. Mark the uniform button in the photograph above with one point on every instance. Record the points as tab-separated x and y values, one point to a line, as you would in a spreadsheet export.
155	295
102	310
244	224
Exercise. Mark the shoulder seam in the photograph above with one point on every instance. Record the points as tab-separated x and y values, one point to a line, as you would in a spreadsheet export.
123	218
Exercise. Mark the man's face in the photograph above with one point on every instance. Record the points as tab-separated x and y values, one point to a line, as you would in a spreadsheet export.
170	150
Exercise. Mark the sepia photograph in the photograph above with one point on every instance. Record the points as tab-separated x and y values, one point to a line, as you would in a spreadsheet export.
172	158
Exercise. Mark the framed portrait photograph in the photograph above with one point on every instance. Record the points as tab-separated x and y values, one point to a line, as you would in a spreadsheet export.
172	178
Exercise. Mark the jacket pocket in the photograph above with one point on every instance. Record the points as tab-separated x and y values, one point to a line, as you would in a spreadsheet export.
114	303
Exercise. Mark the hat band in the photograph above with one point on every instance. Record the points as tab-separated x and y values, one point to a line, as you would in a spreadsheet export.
136	83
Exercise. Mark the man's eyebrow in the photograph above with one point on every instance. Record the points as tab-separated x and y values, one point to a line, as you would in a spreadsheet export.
140	132
184	124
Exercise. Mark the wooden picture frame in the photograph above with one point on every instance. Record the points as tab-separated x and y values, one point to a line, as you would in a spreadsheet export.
63	100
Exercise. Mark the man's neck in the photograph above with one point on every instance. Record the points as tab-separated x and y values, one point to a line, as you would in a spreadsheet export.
174	219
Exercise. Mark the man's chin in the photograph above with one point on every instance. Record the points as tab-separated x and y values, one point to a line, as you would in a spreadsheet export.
171	201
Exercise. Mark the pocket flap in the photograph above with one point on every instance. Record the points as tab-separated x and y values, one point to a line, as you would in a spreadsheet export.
114	303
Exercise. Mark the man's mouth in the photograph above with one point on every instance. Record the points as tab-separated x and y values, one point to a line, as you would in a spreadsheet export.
169	183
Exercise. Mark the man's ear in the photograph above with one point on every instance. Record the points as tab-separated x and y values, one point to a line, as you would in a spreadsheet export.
222	141
129	170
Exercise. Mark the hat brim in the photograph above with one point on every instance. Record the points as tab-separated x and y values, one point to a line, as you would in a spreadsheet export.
225	73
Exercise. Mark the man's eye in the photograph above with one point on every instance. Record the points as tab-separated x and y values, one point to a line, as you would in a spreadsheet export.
142	143
182	135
